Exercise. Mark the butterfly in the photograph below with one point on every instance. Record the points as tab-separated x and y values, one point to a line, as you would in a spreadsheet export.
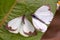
22	25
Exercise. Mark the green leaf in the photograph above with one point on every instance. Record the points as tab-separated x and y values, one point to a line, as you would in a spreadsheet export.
10	9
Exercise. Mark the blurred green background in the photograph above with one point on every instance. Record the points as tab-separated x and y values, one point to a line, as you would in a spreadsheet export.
15	8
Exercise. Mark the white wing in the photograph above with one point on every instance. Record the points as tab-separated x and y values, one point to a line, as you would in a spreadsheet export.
22	32
39	25
43	8
14	24
28	27
44	14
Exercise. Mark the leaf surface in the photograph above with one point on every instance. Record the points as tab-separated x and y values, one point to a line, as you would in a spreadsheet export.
10	9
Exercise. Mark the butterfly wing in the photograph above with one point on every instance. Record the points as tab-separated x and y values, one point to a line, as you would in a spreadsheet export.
14	24
28	28
39	25
44	14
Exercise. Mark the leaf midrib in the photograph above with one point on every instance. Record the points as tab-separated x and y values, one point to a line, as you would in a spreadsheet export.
7	14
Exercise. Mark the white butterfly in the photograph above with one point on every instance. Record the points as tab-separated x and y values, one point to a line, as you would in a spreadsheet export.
21	25
41	17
